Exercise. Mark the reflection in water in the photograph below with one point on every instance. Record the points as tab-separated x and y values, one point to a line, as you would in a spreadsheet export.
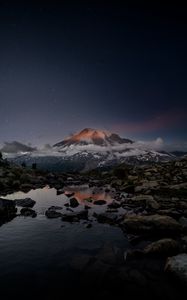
84	194
43	252
47	197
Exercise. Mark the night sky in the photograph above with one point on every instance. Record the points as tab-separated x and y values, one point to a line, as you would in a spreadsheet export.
64	67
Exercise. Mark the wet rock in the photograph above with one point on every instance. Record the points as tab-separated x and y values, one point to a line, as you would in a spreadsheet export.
153	224
75	216
54	207
163	247
99	202
28	212
108	218
27	202
74	202
177	265
69	194
52	213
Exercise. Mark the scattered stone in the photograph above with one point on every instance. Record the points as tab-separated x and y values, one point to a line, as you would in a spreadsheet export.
75	216
99	202
52	214
74	202
55	207
28	212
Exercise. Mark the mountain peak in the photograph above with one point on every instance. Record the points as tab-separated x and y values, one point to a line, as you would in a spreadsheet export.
93	136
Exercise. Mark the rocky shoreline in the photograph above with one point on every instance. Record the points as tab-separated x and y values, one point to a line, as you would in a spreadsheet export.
149	204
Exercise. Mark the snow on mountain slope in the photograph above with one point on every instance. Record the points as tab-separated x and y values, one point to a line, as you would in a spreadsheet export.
91	148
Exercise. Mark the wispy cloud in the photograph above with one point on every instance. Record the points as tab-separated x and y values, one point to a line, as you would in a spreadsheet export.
163	121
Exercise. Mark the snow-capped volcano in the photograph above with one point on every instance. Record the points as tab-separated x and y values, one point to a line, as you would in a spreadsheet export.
93	136
89	149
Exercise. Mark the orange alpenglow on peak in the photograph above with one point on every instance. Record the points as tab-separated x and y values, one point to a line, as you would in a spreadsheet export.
93	136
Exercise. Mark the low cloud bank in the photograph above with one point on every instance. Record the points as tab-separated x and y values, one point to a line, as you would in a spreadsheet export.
16	147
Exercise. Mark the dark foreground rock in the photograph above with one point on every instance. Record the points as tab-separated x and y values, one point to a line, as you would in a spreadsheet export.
7	207
151	224
163	247
73	202
27	202
28	212
177	265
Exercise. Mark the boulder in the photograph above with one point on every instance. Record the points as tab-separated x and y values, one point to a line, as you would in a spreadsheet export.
151	224
52	213
27	202
162	247
28	212
74	202
75	216
177	265
7	207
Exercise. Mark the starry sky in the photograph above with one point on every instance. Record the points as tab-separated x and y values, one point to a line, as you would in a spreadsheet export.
69	65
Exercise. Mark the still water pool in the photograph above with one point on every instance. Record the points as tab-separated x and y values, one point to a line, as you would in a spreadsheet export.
40	255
